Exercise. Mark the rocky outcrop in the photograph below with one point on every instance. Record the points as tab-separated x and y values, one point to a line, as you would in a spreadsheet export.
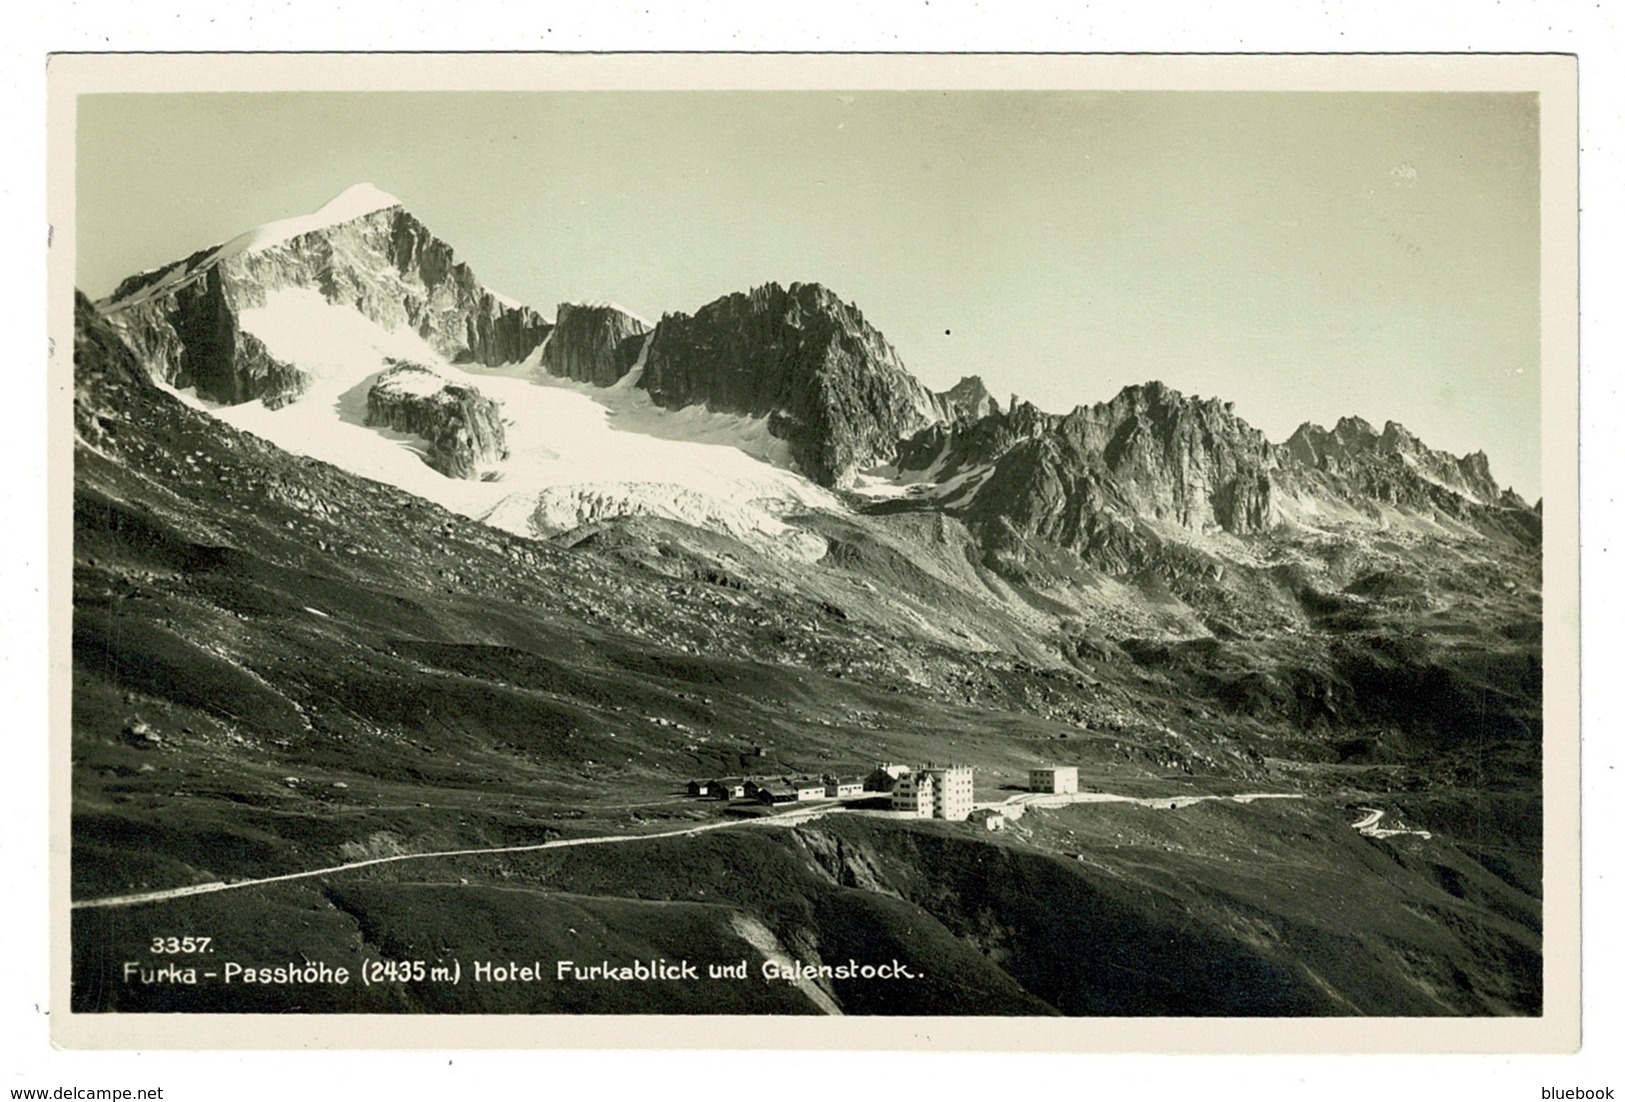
1186	460
953	447
103	368
363	250
595	343
190	336
1085	481
462	427
1393	465
99	354
967	400
828	382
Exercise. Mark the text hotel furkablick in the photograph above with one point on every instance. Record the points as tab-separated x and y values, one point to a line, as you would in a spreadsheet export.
453	972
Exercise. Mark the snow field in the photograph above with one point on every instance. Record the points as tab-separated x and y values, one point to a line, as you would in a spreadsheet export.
577	453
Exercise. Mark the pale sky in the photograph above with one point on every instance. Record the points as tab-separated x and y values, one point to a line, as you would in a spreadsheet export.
1305	255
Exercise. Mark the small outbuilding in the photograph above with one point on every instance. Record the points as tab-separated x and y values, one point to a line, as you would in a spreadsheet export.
809	788
992	820
731	788
775	794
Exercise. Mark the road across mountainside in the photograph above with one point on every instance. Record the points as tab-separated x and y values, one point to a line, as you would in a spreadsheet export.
1015	804
1064	799
793	818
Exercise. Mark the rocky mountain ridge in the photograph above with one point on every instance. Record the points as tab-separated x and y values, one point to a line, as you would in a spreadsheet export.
1353	448
1103	481
1091	480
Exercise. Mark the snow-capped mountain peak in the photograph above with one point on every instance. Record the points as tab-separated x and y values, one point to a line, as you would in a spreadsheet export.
352	335
356	201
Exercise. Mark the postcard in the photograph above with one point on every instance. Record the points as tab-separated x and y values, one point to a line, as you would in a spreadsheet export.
836	552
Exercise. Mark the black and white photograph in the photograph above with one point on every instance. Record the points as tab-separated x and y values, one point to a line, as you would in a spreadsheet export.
927	548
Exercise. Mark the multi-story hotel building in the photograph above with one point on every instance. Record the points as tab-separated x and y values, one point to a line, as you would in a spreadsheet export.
952	797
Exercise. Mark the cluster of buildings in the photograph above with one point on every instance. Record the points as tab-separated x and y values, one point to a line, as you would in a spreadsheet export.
930	792
781	790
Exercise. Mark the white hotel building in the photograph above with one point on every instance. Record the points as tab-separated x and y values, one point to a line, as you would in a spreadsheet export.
952	798
935	792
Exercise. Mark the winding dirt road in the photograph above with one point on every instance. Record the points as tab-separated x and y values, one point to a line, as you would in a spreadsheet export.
1368	826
